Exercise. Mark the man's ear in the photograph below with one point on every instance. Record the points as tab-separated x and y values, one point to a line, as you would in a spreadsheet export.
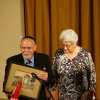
35	47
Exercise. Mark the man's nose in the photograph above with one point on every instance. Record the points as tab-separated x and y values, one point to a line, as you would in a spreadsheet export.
26	49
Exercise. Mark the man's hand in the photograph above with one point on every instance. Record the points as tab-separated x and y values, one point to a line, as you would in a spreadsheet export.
43	75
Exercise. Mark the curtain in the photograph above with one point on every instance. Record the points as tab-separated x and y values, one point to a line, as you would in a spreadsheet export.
46	19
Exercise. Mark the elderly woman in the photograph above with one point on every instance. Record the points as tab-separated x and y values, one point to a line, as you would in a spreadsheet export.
73	67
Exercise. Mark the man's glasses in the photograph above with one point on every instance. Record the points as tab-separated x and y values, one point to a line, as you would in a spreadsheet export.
24	48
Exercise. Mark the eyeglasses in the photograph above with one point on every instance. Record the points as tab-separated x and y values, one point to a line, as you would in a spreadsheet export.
24	48
67	45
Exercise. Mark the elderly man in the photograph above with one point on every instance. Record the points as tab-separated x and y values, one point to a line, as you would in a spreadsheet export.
30	57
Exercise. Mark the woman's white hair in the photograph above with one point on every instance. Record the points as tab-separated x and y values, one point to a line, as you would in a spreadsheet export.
69	35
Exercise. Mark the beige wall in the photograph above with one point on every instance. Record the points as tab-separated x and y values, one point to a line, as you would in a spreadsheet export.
11	31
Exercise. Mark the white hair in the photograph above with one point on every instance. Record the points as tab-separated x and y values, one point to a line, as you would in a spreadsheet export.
69	35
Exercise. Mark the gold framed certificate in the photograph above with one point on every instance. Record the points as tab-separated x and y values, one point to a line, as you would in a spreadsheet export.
20	73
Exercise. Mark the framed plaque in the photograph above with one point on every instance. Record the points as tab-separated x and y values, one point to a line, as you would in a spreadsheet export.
30	85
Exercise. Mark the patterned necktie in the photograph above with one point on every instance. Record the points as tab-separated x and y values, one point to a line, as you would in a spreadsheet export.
28	62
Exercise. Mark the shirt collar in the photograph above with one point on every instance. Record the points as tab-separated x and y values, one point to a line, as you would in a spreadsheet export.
32	60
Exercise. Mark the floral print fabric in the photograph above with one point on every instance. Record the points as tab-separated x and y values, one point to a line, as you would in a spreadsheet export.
75	76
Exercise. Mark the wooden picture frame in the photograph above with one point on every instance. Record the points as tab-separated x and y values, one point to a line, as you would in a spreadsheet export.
20	73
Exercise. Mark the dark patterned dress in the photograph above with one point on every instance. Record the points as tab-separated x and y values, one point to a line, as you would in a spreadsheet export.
74	77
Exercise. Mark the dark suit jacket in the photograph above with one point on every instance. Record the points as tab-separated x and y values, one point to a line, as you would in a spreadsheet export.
40	61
